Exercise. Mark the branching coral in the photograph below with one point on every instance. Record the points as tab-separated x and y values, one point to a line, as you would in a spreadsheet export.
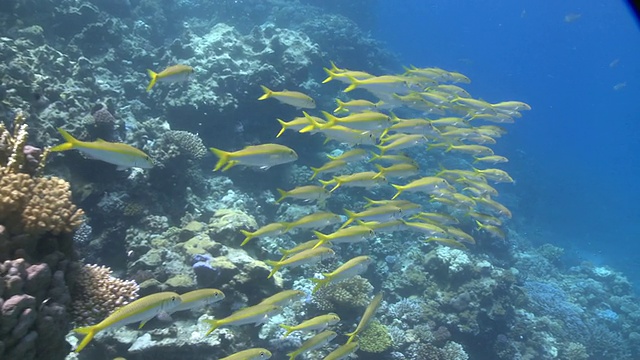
98	294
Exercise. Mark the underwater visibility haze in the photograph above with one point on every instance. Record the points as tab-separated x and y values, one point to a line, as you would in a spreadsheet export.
319	179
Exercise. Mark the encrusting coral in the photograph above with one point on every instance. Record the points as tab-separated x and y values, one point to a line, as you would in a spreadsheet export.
98	294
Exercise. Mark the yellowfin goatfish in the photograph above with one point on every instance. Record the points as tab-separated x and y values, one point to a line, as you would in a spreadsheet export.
315	342
293	98
143	310
297	124
351	268
306	193
305	257
300	247
377	213
365	179
317	323
369	312
351	234
330	167
343	352
273	229
284	298
250	354
356	105
119	154
317	220
175	73
426	184
397	171
198	298
257	314
351	155
263	156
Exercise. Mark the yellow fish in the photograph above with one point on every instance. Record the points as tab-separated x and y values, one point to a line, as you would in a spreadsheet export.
351	268
263	156
369	312
198	298
311	256
250	354
119	154
256	314
318	323
293	98
175	73
143	310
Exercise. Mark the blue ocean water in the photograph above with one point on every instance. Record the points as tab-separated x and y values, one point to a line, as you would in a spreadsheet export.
576	156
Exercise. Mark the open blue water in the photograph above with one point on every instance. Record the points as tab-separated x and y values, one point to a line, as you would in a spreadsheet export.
575	157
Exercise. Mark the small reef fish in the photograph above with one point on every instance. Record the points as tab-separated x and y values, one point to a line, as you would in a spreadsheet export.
307	193
377	213
119	154
365	179
491	159
318	323
197	299
263	156
250	354
305	257
426	184
343	352
459	235
313	343
298	123
273	229
300	247
142	310
284	298
365	121
393	159
356	105
175	73
256	314
492	230
293	98
351	155
369	312
447	241
349	269
403	142
317	220
351	234
425	228
330	167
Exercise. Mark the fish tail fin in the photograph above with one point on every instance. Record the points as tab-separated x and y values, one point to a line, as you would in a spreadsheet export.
380	171
289	329
351	335
90	332
70	143
384	133
370	202
319	283
399	188
223	158
267	93
214	325
336	186
313	124
480	225
354	83
283	195
374	156
334	68
351	218
284	127
316	171
381	148
324	183
330	75
322	239
449	148
154	78
476	159
275	266
340	107
331	120
248	236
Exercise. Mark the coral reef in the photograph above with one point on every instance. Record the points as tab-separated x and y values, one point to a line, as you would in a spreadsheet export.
96	294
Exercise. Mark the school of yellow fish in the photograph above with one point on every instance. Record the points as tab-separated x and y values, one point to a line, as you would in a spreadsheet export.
452	121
